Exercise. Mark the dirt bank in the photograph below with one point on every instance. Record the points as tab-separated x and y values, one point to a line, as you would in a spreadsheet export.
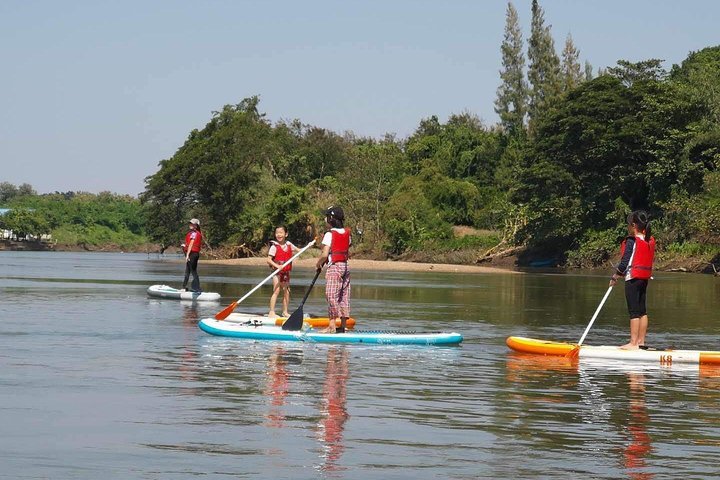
387	265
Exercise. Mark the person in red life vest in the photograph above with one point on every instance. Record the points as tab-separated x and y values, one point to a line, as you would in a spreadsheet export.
637	253
335	252
191	247
281	250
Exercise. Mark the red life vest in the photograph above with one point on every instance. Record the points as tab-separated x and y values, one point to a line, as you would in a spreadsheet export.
641	261
282	255
198	240
340	246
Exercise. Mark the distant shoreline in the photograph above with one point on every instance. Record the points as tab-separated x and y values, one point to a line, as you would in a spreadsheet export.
379	265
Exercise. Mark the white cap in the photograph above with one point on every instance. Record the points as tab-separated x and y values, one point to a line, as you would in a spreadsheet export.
195	221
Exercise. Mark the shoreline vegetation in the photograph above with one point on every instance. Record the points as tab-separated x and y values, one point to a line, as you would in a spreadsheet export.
550	185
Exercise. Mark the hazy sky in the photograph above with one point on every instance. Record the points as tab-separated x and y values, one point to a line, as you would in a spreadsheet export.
96	93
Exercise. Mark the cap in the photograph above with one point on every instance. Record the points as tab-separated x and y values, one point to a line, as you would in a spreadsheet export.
335	212
195	221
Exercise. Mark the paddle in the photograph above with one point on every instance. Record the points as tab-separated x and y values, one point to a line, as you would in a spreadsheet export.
295	321
222	315
576	349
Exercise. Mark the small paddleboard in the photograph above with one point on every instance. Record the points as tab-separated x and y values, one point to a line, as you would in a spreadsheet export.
661	356
251	318
165	291
271	332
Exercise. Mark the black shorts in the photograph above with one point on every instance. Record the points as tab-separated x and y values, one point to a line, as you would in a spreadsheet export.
635	293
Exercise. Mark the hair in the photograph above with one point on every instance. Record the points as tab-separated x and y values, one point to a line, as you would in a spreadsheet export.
335	217
641	220
334	221
283	227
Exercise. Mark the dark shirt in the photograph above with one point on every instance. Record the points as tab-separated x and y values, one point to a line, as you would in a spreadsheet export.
625	260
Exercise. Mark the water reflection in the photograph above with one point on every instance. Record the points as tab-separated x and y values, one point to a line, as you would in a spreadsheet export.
639	447
333	411
277	387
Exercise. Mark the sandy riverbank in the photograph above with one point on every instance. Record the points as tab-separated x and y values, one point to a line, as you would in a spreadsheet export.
387	265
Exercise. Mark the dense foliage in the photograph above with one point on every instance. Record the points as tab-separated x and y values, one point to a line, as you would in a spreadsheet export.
571	156
76	218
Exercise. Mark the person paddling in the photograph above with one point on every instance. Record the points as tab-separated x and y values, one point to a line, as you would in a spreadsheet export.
191	247
335	251
637	253
281	250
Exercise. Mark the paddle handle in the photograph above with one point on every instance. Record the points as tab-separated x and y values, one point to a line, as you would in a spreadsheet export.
276	271
607	294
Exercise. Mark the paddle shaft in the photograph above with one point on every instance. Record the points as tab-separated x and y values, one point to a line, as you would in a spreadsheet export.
295	321
234	304
607	294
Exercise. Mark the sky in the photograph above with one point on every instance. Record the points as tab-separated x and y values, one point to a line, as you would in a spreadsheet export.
94	94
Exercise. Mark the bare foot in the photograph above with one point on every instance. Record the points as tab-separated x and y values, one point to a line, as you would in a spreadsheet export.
629	346
272	315
328	330
285	314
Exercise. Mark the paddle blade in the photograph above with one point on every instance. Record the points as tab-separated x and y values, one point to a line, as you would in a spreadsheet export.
574	353
295	322
222	315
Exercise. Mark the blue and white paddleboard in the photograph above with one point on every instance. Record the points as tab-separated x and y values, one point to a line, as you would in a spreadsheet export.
258	331
165	291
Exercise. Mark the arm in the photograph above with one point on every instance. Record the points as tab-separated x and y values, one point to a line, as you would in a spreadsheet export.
624	261
189	249
322	260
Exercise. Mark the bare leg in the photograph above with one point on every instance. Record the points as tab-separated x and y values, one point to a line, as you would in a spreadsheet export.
286	299
642	329
273	297
330	328
634	334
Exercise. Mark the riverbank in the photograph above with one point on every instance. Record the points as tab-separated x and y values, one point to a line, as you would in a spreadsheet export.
378	265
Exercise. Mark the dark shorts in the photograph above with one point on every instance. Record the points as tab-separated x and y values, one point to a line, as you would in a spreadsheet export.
284	277
635	293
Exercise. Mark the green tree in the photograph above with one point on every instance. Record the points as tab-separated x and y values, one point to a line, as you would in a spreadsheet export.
544	68
570	68
512	94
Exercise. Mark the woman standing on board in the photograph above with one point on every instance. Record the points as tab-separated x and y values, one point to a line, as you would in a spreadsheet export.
191	247
335	251
637	252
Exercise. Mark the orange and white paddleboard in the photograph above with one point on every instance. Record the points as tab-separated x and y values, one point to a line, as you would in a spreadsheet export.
315	322
661	356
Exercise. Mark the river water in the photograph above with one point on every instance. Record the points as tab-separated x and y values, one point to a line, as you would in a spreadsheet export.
99	381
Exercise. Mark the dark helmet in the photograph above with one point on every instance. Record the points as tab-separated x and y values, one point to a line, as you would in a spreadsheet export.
335	212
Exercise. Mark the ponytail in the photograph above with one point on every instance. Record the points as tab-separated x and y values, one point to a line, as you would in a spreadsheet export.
641	220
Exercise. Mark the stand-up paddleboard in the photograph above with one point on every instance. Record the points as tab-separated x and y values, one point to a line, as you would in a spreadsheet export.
250	318
661	356
251	331
165	291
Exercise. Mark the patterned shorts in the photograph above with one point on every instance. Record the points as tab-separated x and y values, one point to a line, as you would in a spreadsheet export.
337	290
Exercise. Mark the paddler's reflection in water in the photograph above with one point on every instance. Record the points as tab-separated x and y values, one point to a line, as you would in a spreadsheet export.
277	387
190	317
333	413
639	447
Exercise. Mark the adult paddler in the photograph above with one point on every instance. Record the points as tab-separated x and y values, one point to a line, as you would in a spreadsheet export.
191	247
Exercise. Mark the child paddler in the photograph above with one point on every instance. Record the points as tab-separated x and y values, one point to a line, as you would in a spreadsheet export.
335	252
637	253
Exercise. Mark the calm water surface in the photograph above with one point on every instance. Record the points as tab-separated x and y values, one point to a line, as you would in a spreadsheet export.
99	381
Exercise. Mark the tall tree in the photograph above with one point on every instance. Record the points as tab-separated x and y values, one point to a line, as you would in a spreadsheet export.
588	71
512	94
572	76
544	68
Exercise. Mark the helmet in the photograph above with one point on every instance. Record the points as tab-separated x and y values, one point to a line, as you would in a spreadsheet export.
195	221
335	212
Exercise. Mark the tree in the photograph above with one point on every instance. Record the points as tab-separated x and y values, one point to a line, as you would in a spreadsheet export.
8	191
512	94
630	72
588	71
571	73
544	68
